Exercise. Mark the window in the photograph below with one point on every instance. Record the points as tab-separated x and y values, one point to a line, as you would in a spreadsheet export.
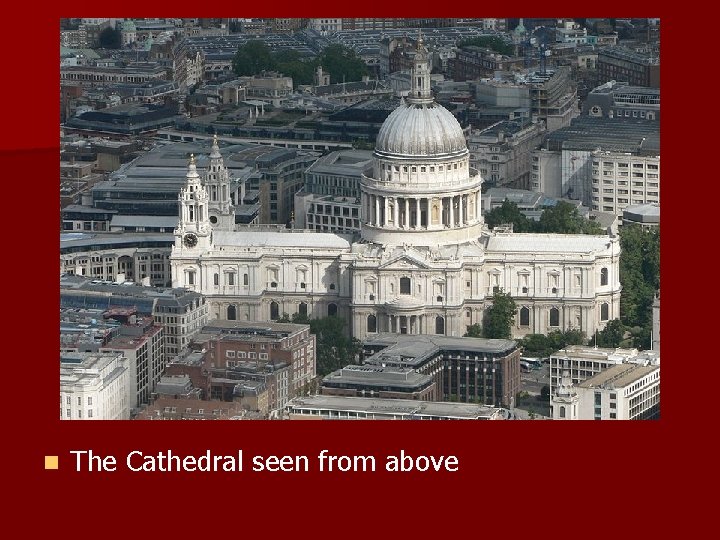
90	413
332	310
231	278
554	317
604	276
371	324
229	354
598	399
191	277
562	412
231	313
404	285
524	316
216	279
604	312
89	401
245	279
302	309
439	325
274	311
79	401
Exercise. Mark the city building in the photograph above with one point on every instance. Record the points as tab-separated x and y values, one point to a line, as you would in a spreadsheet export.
330	198
622	392
424	264
580	362
614	99
94	386
381	381
565	167
623	64
503	152
463	369
620	181
359	408
646	215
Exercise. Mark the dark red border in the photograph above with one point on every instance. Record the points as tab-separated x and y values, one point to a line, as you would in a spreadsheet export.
514	478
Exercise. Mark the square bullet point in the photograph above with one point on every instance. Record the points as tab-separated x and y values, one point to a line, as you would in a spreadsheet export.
51	462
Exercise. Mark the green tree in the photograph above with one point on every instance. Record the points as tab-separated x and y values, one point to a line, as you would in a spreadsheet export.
542	346
342	63
611	336
564	218
290	63
508	212
334	348
110	38
474	330
500	316
252	58
494	43
545	393
640	279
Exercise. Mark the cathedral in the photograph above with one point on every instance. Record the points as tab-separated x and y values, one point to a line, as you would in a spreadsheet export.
424	263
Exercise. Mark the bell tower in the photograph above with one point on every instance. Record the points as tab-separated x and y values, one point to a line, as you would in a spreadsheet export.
221	211
420	76
193	232
565	400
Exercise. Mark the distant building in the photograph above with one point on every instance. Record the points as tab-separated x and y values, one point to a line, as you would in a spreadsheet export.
621	181
615	99
503	152
622	64
94	386
358	408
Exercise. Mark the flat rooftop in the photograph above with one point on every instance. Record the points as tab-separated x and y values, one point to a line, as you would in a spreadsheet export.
407	408
618	376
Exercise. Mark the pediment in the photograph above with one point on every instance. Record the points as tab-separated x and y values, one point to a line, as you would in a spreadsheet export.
403	262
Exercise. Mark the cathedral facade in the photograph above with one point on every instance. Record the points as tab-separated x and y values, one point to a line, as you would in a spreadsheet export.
424	263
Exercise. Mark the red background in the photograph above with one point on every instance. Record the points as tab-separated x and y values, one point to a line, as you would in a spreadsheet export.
529	478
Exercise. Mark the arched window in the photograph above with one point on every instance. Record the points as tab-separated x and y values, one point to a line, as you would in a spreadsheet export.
231	313
371	324
562	412
439	325
302	309
554	317
332	310
216	279
274	311
246	279
524	316
404	285
604	276
604	312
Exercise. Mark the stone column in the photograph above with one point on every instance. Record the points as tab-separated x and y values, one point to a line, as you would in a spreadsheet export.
418	221
461	199
452	211
406	221
376	217
384	220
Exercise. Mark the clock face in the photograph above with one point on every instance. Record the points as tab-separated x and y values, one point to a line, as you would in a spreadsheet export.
190	240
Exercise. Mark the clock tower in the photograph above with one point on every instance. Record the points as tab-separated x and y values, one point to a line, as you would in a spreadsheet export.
193	233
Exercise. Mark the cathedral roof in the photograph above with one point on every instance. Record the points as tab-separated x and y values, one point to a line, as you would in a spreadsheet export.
422	130
288	239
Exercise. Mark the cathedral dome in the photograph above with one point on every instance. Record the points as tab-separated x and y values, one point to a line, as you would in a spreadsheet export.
421	129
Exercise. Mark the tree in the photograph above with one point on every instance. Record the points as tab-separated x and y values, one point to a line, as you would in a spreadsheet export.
110	38
342	63
564	218
640	279
253	58
507	213
494	43
474	330
545	393
334	349
500	316
611	336
542	346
